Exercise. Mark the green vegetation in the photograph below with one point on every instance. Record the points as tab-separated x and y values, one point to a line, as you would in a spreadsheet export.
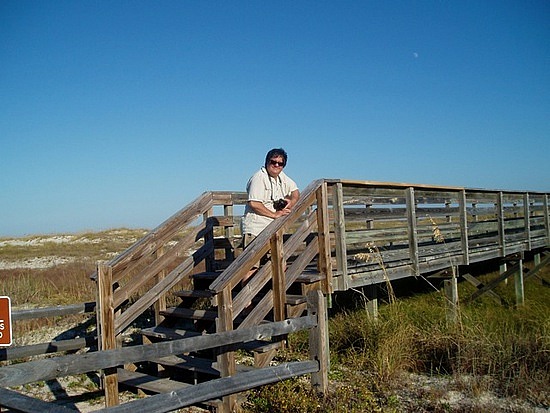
505	351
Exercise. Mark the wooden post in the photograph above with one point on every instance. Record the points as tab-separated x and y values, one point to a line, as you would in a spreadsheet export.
547	220
372	304
500	218
518	278
278	272
209	236
502	269
464	228
107	334
229	232
536	259
340	237
325	262
527	220
318	341
413	237
160	304
226	359
451	293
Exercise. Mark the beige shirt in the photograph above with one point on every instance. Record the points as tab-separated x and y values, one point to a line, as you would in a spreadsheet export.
263	188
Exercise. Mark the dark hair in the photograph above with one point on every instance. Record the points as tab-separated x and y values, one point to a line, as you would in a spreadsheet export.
276	152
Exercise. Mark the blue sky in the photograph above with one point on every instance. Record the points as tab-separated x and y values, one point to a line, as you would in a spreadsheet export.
119	113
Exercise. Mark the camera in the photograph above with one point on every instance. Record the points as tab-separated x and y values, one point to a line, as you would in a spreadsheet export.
280	204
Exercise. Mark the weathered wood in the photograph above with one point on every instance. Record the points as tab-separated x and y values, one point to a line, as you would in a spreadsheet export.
318	341
158	236
56	346
478	284
534	271
177	252
324	262
166	402
278	275
506	274
413	241
47	369
107	330
21	403
60	310
518	284
171	279
339	235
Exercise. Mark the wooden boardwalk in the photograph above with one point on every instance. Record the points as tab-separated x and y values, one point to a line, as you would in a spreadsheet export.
341	235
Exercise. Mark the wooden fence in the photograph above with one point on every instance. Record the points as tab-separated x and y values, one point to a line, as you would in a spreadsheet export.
180	395
56	345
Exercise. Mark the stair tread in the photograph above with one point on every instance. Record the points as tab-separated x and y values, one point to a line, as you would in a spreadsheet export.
194	293
147	382
195	364
261	346
295	299
206	275
154	384
309	276
189	363
188	313
168	333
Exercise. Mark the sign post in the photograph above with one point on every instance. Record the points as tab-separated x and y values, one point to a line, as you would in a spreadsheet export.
5	321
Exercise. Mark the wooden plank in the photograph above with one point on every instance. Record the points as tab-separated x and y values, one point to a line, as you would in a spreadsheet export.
158	236
478	284
278	275
318	341
508	273
60	310
340	236
18	352
215	388
190	314
464	229
534	271
21	403
46	369
324	262
171	279
413	241
107	330
257	248
149	383
176	253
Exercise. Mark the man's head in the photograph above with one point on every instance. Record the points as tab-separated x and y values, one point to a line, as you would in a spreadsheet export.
275	161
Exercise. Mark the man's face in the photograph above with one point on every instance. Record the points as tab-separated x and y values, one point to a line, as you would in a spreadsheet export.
275	166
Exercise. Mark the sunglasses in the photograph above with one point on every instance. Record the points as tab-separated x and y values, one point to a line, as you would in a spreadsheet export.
275	163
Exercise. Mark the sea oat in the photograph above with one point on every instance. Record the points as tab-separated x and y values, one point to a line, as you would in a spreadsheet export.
437	234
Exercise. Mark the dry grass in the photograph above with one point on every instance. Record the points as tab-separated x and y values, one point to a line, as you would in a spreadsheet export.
505	351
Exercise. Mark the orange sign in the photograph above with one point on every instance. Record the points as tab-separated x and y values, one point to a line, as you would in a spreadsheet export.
5	321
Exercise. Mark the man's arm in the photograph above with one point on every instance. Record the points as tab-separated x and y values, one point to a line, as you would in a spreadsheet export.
259	208
293	198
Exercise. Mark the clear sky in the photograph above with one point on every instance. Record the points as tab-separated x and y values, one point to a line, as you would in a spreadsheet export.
120	113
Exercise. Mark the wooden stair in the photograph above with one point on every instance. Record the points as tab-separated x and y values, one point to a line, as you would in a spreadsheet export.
184	321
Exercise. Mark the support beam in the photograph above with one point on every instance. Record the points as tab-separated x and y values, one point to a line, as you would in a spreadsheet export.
520	292
318	341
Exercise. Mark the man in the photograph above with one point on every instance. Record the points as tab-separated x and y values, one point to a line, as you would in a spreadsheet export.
271	194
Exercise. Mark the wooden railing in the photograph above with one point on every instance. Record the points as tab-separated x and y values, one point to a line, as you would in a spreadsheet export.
180	395
77	341
352	233
341	234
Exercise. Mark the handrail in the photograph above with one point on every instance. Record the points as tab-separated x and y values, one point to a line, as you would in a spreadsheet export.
259	246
